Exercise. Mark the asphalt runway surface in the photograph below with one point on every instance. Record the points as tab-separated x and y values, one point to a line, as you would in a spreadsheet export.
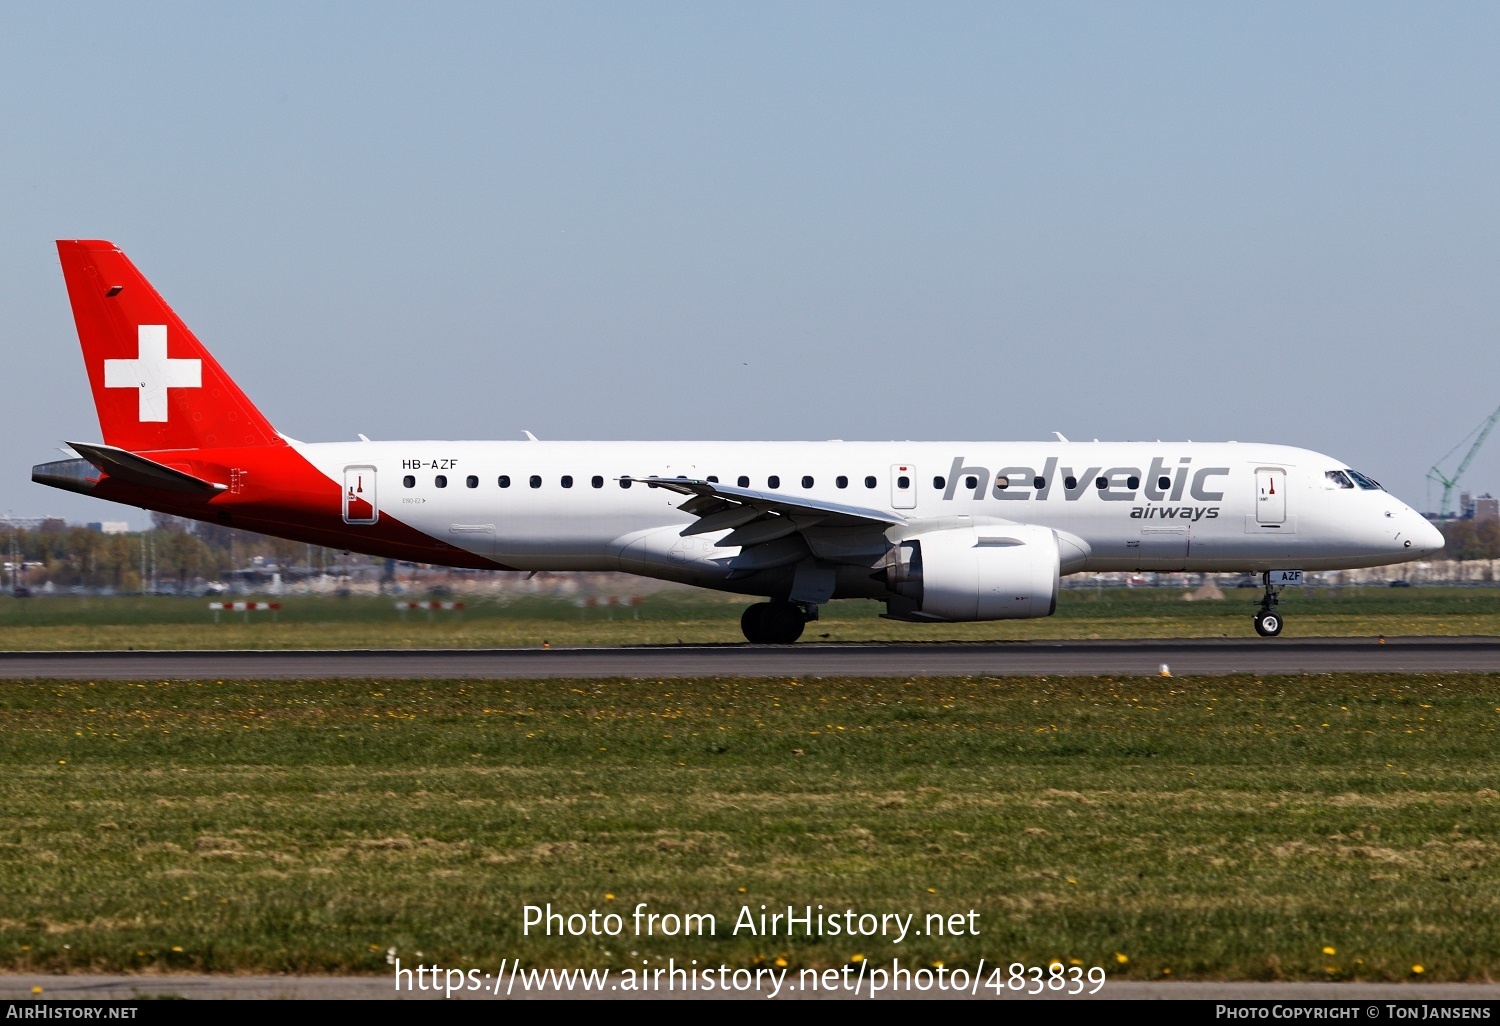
1194	657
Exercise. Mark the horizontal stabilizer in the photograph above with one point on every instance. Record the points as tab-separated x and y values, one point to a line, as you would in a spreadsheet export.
127	466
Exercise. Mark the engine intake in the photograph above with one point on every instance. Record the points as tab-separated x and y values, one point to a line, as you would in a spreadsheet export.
988	572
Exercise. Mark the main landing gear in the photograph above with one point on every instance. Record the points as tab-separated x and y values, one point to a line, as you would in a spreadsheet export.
775	623
1268	622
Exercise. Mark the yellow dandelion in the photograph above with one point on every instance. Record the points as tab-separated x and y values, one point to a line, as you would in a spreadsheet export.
742	890
856	959
1122	959
1329	951
177	948
1167	971
781	961
36	990
609	897
932	890
938	964
1418	969
1075	961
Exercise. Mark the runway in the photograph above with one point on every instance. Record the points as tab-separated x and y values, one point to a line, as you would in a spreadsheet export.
1196	657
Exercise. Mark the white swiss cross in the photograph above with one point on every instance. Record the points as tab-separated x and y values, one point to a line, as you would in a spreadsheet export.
152	373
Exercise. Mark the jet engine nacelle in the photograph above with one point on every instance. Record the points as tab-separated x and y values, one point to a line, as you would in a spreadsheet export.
984	572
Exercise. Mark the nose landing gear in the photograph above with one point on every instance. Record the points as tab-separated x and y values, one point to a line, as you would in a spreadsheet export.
1268	622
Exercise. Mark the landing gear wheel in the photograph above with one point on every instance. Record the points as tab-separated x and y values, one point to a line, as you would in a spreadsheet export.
785	621
1268	625
772	623
1267	621
753	623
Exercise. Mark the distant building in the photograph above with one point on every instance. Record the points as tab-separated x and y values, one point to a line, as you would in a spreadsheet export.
21	523
109	527
1486	507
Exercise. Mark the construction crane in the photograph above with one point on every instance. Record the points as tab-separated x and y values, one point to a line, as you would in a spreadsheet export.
1436	475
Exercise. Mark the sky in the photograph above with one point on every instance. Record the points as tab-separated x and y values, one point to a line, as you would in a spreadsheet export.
1252	221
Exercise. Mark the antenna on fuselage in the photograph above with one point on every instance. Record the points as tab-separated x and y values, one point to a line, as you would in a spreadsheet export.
529	436
1059	435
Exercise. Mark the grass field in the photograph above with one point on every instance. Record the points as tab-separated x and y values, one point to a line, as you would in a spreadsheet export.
1223	828
54	623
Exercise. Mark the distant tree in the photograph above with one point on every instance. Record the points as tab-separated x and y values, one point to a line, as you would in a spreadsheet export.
169	523
1471	539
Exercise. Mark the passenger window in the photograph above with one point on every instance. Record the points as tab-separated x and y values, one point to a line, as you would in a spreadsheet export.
971	482
597	481
1101	483
1002	482
1070	483
625	482
408	481
743	481
567	481
1163	483
504	480
441	481
1132	483
841	481
870	481
713	478
807	482
471	481
536	480
1338	479
1039	483
938	483
903	482
774	481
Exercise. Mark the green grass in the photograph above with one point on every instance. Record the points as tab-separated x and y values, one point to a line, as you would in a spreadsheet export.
66	622
1223	828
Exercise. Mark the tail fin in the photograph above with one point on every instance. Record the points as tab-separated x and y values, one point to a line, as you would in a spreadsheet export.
155	386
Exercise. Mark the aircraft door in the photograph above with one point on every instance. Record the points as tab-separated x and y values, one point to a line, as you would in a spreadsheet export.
1270	495
359	495
903	486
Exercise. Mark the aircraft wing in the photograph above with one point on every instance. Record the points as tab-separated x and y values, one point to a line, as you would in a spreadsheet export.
756	518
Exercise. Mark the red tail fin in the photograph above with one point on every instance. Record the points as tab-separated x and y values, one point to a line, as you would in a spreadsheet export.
155	386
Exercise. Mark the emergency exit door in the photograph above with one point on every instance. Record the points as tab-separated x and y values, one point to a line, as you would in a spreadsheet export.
903	486
1270	498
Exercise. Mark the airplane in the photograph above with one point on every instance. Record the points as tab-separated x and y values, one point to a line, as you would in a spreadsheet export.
937	531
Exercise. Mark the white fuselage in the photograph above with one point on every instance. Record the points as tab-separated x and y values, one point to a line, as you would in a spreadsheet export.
1114	505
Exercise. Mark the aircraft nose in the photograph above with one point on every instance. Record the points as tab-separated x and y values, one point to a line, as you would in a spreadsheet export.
1426	538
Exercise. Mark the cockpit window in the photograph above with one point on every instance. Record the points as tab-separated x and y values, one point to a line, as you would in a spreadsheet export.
1338	479
1367	483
